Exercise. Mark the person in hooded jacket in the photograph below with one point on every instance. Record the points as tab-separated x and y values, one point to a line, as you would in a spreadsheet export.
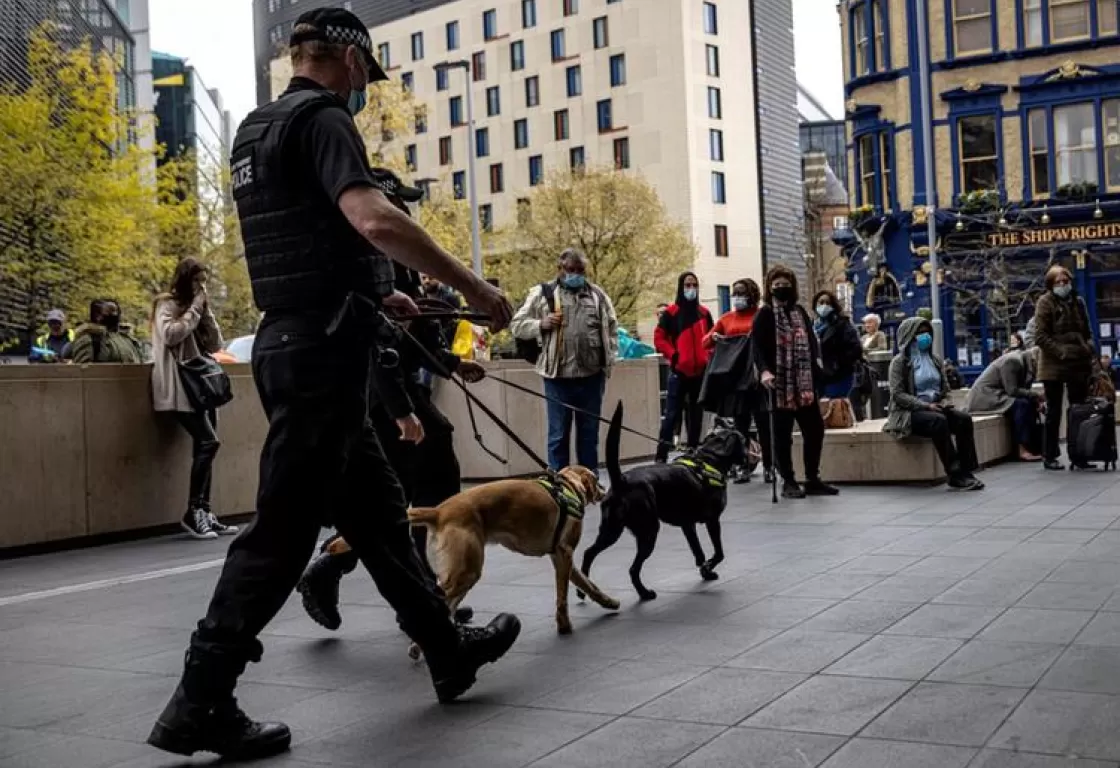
840	346
680	340
100	340
920	404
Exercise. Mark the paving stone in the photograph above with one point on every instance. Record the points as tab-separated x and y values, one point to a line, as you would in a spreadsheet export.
1086	597
1018	665
833	705
941	713
1064	723
1085	668
757	748
1102	630
721	696
985	591
859	616
633	743
620	688
1037	626
799	650
996	758
873	753
900	658
959	621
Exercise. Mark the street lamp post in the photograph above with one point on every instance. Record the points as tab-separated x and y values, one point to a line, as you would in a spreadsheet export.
472	190
927	141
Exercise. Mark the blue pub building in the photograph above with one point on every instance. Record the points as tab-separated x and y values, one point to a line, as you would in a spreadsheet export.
1026	153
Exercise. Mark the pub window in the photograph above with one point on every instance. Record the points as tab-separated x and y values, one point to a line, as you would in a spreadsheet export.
1075	139
1032	22
979	158
1069	20
867	168
877	22
1040	154
1110	119
885	167
868	22
1106	17
972	26
863	54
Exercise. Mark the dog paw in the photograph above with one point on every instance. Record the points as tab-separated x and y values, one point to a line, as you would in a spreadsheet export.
563	629
649	594
414	652
707	574
580	594
612	604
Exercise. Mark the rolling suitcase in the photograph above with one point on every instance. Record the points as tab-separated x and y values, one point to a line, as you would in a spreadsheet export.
1091	433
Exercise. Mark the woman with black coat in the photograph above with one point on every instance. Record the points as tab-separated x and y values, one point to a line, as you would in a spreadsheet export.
840	346
789	369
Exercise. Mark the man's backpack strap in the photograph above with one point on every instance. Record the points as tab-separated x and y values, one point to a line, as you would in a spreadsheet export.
548	290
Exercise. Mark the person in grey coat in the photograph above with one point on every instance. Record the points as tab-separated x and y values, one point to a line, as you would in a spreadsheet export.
920	404
1005	387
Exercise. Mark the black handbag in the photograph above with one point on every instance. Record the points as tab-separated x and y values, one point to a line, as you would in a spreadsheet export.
206	384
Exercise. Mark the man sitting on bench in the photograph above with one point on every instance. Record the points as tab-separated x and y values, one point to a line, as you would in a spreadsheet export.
1005	388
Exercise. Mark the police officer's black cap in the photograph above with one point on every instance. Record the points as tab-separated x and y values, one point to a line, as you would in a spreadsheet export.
341	27
389	183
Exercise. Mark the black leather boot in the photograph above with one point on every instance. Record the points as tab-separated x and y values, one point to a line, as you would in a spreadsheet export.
319	585
203	715
478	646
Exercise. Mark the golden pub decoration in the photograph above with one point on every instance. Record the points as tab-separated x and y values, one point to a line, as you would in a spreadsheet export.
920	216
1050	235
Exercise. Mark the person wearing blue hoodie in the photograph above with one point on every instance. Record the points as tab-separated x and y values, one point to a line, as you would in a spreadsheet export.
920	404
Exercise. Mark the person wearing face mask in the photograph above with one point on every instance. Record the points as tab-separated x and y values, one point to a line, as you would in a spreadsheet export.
573	321
679	338
920	404
320	238
100	340
1066	363
839	343
789	368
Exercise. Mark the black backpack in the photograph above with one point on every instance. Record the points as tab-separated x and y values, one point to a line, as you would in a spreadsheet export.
530	349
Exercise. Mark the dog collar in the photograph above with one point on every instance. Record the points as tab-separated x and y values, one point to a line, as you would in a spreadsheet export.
707	473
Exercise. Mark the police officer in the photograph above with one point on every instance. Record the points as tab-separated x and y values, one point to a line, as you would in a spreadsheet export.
415	435
315	230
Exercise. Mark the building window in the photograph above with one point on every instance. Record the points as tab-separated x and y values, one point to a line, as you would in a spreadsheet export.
441	79
524	210
497	179
724	294
715	145
1066	21
618	70
452	35
711	19
493	101
863	41
486	217
1075	144
868	36
383	55
408	82
874	168
536	170
713	60
577	158
273	5
1069	20
1032	22
482	142
528	14
558	44
575	82
715	104
445	150
599	32
721	240
571	7
603	111
421	120
520	133
532	91
459	184
455	107
972	27
979	159
560	124
478	66
622	153
517	56
410	157
1106	17
489	24
1110	120
719	188
417	46
1040	153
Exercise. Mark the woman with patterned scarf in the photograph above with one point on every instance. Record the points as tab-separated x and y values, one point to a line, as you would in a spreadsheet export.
789	369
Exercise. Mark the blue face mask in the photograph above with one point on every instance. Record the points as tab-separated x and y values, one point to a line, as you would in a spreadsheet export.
824	310
690	294
740	303
1063	291
357	101
925	342
573	282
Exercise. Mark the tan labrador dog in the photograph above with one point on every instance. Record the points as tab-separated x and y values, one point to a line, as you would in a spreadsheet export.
522	516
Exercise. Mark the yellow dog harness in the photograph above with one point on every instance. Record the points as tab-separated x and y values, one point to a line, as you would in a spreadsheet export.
705	472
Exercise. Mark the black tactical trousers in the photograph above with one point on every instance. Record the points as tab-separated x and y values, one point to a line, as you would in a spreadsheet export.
321	454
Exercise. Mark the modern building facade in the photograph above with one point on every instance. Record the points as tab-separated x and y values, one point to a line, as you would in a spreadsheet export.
661	87
1026	151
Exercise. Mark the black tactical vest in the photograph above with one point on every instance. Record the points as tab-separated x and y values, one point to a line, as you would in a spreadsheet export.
302	252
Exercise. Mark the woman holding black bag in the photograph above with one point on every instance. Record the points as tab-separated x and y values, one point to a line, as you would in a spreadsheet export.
184	335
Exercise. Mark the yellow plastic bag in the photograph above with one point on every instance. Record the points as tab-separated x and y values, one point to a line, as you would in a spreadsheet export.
462	346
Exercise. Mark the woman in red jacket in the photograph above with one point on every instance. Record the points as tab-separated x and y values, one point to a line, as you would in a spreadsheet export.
680	340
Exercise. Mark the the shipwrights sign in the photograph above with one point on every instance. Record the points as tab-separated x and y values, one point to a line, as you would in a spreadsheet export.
1050	235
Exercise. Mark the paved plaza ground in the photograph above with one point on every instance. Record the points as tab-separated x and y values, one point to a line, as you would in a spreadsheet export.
902	627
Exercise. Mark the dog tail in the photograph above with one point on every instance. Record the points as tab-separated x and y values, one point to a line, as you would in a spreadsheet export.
614	437
426	516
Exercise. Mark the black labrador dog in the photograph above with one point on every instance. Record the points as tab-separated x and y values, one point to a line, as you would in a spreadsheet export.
685	493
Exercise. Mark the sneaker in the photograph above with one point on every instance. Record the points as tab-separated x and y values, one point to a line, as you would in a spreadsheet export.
1053	465
478	646
742	476
791	490
818	487
221	528
965	483
319	589
225	730
196	522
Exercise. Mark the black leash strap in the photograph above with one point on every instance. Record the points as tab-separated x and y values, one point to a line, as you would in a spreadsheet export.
478	436
439	368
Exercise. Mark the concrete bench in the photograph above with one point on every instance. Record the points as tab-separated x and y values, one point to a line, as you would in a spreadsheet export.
866	454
